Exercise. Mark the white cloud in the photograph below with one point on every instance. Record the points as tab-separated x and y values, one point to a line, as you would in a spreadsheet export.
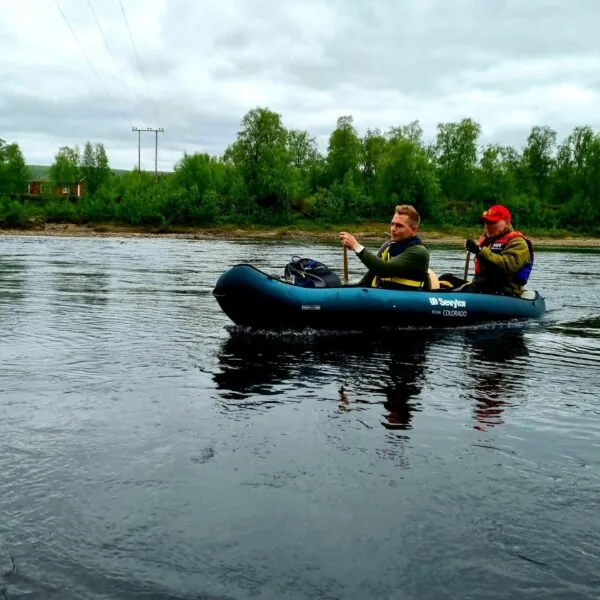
506	63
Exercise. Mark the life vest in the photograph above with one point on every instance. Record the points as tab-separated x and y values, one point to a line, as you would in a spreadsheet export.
386	255
497	246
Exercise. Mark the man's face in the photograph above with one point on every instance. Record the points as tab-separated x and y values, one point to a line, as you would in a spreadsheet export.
492	229
401	228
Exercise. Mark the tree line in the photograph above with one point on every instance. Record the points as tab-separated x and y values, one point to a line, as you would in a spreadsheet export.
272	175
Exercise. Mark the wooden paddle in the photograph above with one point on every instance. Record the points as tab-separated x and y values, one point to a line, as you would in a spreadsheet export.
345	265
467	259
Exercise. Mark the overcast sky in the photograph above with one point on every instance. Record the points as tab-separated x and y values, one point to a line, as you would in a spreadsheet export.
195	67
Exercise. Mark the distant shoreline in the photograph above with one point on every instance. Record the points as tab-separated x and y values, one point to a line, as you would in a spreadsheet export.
372	233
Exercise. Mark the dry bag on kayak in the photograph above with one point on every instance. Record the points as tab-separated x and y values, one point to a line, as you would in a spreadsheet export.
306	272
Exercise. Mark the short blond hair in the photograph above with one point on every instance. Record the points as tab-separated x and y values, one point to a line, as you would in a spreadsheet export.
411	212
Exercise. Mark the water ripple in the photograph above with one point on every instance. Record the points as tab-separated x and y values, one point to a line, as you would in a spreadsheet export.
150	449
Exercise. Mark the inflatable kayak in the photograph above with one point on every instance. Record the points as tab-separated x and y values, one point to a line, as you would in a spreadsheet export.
252	298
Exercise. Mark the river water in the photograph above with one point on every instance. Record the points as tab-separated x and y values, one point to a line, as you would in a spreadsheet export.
149	450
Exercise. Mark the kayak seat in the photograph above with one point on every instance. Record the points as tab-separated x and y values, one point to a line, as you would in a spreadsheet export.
434	282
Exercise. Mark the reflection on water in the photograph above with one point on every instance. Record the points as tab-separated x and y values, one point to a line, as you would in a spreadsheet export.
88	288
387	369
13	272
584	328
497	371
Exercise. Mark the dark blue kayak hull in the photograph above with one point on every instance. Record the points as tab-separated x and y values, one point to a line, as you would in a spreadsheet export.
255	299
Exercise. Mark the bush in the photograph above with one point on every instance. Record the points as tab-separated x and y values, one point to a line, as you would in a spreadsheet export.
60	211
99	208
13	213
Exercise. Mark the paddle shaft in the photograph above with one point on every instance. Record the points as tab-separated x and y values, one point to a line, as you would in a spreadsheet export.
467	259
345	265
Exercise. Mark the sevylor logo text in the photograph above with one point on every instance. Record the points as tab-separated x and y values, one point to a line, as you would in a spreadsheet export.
454	303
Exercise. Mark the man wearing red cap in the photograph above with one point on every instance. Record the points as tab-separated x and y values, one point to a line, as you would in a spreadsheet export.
503	256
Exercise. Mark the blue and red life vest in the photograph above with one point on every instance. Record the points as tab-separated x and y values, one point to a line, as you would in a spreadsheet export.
497	245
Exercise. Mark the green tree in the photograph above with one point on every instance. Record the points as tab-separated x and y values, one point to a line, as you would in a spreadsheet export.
270	175
88	162
94	167
407	176
197	183
344	152
497	174
103	172
303	155
412	132
66	168
302	148
14	173
198	172
261	154
141	199
373	146
455	152
539	161
573	159
577	179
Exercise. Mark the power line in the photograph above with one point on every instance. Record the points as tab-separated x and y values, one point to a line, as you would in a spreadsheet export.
136	52
83	51
109	52
102	34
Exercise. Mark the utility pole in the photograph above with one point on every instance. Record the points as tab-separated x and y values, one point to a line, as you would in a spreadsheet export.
156	131
139	145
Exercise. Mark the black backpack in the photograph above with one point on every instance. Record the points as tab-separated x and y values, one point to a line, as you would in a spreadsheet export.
306	272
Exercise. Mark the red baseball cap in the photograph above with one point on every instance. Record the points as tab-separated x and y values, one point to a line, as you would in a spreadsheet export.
496	213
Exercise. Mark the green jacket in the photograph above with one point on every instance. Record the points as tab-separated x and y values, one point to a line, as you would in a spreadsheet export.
497	269
412	263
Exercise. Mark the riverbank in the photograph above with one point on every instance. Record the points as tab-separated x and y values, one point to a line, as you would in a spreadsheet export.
372	233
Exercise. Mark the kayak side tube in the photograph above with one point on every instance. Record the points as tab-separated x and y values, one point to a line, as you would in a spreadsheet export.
250	297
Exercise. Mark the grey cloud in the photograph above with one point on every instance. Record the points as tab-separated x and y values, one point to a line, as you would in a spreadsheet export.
414	47
424	47
64	118
207	131
98	121
387	62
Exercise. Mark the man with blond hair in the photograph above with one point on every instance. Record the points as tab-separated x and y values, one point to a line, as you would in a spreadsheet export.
402	262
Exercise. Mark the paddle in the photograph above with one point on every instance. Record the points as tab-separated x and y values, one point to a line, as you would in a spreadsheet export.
345	265
467	259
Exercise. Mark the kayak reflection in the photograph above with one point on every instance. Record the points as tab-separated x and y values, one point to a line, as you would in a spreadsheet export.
403	372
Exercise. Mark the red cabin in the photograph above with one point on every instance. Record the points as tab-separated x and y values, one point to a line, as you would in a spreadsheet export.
39	187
